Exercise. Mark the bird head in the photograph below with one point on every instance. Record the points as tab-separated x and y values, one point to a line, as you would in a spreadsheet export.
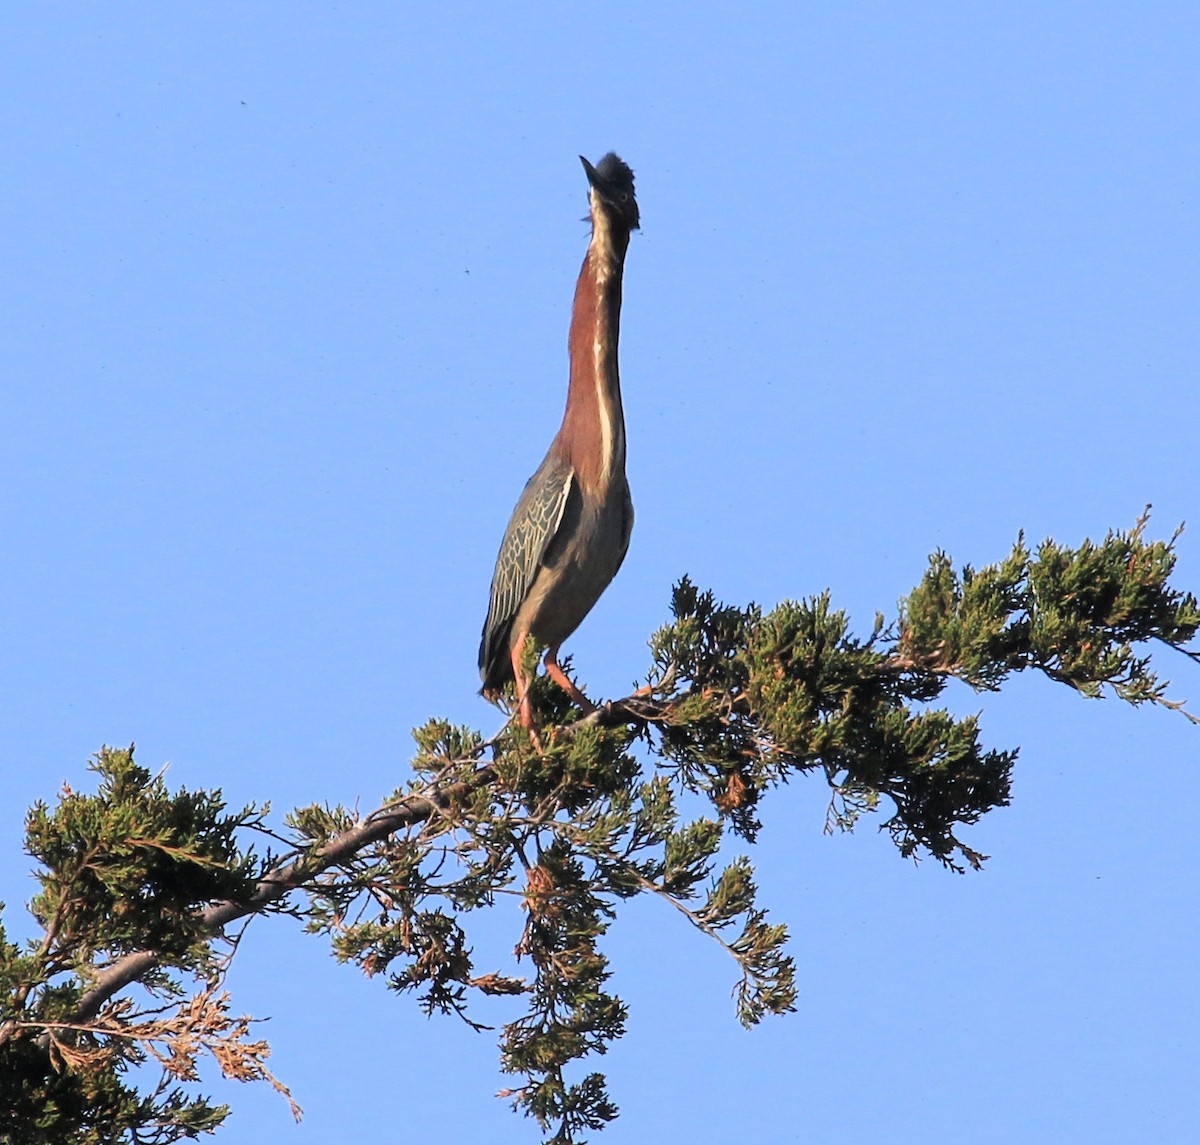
612	189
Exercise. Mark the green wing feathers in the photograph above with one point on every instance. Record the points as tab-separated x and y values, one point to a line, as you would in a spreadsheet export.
531	528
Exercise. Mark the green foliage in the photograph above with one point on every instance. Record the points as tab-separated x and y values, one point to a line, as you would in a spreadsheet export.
1075	614
636	798
792	691
762	697
571	831
124	870
127	868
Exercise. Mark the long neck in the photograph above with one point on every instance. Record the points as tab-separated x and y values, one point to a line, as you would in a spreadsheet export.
592	437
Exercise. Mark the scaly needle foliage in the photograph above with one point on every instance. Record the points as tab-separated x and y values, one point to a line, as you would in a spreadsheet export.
140	885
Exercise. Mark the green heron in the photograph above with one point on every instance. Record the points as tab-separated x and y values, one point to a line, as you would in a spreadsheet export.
568	534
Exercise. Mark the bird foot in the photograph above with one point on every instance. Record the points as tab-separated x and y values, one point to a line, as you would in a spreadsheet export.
555	672
524	715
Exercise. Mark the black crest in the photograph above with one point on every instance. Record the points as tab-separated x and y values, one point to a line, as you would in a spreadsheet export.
615	171
612	178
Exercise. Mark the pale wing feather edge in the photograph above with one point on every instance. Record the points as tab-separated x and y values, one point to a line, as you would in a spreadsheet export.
531	529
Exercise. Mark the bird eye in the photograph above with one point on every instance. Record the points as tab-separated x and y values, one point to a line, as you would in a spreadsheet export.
624	196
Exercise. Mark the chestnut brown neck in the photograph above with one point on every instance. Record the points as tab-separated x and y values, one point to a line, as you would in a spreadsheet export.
592	437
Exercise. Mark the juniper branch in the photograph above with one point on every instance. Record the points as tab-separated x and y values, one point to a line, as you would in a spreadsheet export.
280	881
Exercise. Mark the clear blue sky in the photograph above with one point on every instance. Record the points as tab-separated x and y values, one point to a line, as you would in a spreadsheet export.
285	299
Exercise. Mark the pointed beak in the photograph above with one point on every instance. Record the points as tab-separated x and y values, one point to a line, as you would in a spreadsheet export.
589	170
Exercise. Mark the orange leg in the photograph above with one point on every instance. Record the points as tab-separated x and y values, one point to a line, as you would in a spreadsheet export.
555	672
524	707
